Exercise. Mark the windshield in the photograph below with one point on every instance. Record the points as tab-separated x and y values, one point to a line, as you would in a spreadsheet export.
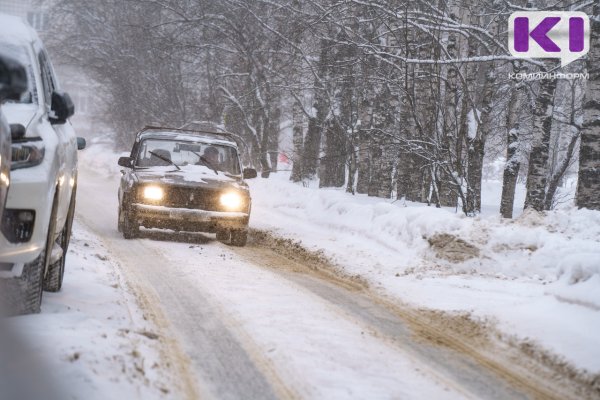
21	54
158	152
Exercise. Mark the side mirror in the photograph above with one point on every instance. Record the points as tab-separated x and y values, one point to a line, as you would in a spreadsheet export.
249	173
17	131
62	108
13	79
81	143
124	162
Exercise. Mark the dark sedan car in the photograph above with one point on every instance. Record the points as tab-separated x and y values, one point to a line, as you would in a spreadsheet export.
185	181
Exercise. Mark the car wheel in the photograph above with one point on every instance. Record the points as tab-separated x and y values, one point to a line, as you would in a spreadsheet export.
239	237
23	295
131	229
71	215
223	235
54	277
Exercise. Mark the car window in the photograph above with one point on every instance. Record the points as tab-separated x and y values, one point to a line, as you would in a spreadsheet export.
223	158
48	82
23	55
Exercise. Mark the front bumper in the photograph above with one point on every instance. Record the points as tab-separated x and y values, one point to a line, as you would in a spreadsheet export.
153	216
30	189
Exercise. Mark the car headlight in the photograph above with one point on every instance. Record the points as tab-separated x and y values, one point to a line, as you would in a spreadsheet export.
153	193
231	201
27	154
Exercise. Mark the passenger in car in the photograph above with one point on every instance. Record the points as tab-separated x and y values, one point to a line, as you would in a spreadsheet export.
158	161
212	155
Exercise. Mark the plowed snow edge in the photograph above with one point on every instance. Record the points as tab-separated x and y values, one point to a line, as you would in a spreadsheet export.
522	363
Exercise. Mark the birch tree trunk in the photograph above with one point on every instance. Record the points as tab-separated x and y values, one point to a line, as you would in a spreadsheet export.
511	169
476	148
312	142
588	185
297	141
538	158
364	147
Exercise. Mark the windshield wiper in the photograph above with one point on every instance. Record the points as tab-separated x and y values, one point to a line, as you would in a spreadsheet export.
206	162
165	159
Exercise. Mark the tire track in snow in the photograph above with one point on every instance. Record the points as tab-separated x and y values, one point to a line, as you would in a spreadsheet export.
482	375
202	342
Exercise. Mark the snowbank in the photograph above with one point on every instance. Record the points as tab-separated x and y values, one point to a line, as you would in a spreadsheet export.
92	340
562	244
537	277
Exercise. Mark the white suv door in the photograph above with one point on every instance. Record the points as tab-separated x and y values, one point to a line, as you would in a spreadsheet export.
66	153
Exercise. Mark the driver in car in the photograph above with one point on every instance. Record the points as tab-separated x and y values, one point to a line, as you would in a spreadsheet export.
211	154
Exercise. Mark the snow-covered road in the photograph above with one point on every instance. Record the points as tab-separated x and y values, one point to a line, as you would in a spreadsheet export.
248	332
250	323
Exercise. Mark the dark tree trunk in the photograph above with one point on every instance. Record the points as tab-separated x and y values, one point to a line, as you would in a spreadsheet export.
475	157
538	158
273	133
476	150
588	185
298	142
333	164
366	143
375	155
559	174
363	163
511	169
351	168
312	144
511	173
316	123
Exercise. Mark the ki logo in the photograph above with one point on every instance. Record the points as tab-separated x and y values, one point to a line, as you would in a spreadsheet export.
551	34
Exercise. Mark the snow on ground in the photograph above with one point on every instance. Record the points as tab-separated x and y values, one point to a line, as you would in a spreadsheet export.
536	277
91	336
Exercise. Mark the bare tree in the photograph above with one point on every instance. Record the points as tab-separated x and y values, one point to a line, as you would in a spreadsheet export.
588	187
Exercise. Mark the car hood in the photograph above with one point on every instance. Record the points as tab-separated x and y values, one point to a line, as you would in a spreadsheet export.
189	176
18	113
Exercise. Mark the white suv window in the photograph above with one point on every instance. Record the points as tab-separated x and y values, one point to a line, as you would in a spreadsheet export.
47	79
22	54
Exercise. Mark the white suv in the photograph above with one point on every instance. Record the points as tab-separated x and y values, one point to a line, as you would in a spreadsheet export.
35	227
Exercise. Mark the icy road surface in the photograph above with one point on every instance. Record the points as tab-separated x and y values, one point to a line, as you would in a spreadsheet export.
249	323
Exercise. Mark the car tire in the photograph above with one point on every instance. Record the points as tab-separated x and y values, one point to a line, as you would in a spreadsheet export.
239	237
54	276
223	235
23	295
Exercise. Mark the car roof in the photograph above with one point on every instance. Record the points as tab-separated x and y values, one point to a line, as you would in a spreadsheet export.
15	30
156	132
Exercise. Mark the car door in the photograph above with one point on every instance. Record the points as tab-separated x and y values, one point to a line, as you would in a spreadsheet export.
66	144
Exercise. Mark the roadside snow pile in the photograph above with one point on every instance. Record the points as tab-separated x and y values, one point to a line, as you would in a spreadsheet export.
561	245
537	277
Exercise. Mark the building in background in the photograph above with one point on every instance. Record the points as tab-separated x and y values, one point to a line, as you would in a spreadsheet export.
73	80
29	10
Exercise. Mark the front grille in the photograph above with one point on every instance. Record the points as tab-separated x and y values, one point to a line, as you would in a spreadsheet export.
194	198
